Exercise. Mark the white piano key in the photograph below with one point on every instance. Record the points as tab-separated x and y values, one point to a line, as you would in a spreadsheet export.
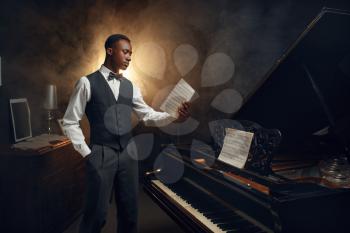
183	203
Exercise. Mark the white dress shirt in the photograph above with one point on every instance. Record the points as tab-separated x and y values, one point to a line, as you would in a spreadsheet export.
82	95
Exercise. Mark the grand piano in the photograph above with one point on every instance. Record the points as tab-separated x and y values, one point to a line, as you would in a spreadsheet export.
297	175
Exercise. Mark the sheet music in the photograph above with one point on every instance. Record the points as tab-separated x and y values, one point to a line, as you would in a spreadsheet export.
182	92
236	147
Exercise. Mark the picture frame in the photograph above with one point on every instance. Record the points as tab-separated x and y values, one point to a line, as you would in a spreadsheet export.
21	121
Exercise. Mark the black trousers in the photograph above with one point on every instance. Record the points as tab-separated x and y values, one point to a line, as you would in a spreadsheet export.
106	169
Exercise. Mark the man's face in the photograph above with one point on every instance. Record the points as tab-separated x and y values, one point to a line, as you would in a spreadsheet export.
120	54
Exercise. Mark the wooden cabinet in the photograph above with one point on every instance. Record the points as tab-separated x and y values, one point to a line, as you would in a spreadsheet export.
40	191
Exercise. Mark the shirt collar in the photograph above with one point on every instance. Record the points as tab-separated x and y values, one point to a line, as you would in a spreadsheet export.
105	71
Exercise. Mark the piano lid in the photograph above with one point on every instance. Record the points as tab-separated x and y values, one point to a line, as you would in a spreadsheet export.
308	89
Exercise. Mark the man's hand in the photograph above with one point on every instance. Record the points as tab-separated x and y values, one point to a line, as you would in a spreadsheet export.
183	112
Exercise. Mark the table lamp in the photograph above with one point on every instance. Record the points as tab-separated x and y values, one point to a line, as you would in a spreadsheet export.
50	105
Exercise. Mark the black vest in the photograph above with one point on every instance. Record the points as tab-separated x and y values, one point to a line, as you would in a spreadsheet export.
110	120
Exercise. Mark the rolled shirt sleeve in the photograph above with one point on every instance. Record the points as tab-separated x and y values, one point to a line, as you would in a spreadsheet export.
147	114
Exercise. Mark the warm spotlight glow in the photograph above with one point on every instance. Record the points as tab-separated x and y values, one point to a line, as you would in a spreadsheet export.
95	63
126	73
134	77
150	60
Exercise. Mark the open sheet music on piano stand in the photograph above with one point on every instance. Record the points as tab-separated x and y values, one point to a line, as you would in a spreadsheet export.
236	147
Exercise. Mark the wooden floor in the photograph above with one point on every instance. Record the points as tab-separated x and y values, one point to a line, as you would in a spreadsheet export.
152	219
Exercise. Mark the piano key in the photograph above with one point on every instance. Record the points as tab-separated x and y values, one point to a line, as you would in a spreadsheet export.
204	208
190	209
214	207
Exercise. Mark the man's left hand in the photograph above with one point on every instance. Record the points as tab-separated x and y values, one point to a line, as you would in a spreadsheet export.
183	112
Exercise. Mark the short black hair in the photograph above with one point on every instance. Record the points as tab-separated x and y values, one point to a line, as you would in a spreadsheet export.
113	38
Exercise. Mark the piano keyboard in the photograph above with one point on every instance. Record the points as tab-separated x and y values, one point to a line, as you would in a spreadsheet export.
209	212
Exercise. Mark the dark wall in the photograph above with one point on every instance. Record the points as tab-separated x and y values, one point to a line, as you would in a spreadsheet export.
59	41
4	119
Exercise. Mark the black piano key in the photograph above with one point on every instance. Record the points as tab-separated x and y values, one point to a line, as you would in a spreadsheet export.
197	201
202	202
219	214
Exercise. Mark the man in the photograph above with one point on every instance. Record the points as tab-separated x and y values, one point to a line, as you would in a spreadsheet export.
108	99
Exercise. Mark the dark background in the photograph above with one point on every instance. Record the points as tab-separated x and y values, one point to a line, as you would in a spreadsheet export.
57	42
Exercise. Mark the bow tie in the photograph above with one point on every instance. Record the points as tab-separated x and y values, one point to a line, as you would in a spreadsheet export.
112	76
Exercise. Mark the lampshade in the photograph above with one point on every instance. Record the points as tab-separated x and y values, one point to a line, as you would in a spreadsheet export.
50	102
